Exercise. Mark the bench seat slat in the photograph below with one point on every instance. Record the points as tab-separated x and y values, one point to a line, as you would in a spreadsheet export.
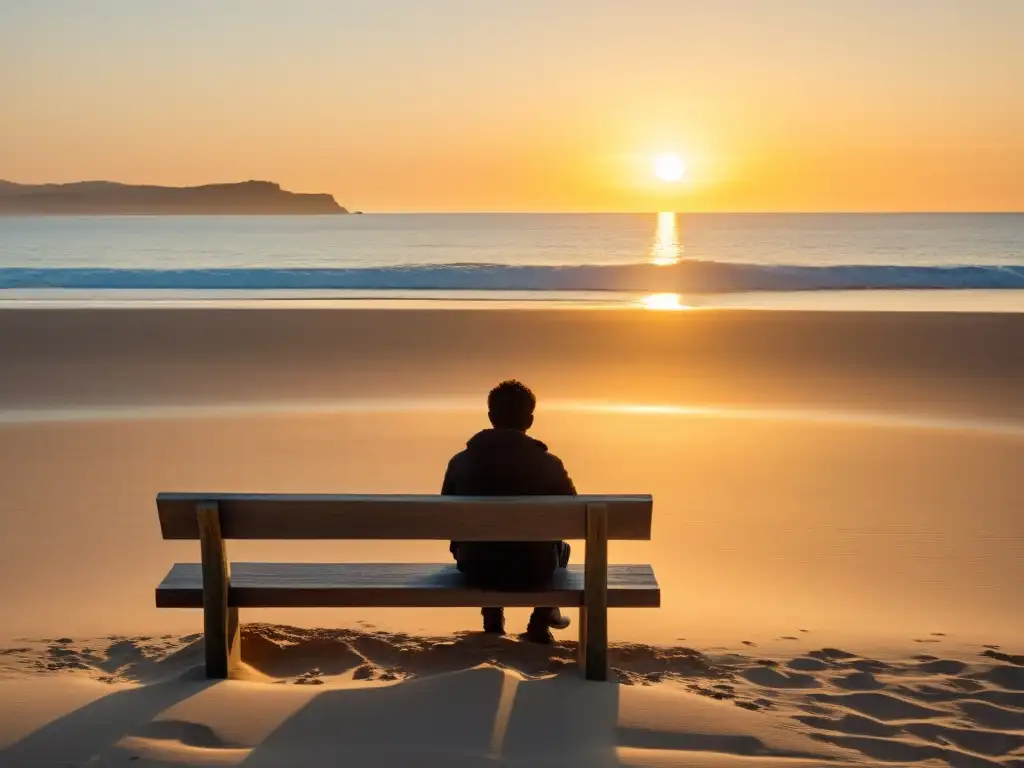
310	585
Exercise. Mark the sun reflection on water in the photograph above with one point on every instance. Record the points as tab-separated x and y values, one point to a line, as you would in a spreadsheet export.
663	301
666	249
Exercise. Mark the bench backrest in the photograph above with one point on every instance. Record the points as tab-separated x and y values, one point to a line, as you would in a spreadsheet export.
462	518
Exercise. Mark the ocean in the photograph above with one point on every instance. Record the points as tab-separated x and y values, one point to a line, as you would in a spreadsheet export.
610	257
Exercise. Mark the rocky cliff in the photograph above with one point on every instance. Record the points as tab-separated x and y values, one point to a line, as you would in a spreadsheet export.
106	197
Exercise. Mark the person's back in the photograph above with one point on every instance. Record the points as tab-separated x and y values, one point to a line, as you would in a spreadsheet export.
505	461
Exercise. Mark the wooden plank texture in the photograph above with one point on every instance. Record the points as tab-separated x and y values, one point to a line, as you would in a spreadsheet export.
305	585
220	621
521	518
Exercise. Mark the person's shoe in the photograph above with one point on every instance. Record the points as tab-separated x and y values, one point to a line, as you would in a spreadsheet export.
539	633
494	621
551	618
557	621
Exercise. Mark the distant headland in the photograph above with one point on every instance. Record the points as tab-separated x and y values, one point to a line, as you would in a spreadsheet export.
108	197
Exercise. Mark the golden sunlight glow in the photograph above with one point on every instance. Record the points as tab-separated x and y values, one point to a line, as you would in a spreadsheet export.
666	248
669	167
663	301
658	125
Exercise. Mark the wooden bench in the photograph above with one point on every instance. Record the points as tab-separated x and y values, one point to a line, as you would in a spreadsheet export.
221	589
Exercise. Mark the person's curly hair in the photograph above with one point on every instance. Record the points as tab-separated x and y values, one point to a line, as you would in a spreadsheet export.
511	405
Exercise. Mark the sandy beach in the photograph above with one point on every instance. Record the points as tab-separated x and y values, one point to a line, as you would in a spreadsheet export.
759	262
837	534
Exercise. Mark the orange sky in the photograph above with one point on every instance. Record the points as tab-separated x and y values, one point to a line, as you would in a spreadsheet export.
486	105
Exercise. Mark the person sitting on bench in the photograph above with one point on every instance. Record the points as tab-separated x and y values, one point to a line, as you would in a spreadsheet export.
505	461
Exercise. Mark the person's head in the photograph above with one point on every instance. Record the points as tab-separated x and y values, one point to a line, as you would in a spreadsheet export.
510	406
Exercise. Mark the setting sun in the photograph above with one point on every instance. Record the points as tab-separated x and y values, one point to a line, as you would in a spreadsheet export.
669	167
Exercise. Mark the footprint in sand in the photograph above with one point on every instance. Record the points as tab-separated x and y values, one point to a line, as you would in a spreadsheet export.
887	750
992	716
942	667
365	672
990	743
852	725
868	665
832	654
1009	699
858	681
1006	677
815	709
807	664
963	684
1007	657
768	677
186	733
879	706
711	693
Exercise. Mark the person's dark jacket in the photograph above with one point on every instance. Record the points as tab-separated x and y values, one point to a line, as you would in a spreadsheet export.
506	462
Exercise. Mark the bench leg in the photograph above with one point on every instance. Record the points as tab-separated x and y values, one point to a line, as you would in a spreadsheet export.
220	621
223	658
581	645
593	645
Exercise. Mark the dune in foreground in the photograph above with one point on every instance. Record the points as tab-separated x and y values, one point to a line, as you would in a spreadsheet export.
379	699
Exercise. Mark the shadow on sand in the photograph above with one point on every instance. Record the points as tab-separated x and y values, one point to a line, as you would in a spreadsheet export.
79	736
477	717
486	717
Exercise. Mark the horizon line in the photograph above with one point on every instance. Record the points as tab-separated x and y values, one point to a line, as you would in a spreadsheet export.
521	212
863	212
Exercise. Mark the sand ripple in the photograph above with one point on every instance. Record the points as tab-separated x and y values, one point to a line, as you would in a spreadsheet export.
963	712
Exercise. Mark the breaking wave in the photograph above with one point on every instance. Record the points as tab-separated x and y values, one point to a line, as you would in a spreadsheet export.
684	277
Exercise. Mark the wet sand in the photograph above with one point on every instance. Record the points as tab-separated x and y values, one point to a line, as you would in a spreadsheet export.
962	363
